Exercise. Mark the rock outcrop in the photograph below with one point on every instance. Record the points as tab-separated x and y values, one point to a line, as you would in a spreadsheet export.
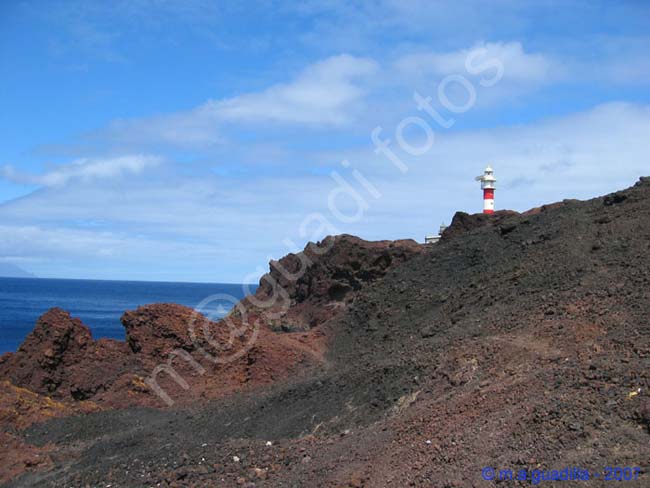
165	342
54	359
304	290
463	222
152	331
57	343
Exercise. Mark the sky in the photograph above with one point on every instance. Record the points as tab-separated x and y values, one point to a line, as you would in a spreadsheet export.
195	140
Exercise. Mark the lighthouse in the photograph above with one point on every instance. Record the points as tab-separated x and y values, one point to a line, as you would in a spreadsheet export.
488	181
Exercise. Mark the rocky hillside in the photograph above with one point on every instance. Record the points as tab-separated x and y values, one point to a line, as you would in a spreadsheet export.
265	340
520	341
60	359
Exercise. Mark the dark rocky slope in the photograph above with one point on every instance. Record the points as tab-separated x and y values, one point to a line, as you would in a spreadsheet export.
518	342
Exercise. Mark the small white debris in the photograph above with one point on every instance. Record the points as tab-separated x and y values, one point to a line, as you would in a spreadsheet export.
427	442
204	445
269	443
235	459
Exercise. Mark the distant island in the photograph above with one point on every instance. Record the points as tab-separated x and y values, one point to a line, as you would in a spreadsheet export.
8	270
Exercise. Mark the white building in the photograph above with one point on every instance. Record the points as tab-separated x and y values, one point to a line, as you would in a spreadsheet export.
434	239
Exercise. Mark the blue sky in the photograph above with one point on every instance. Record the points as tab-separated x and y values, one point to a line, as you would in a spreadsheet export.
195	140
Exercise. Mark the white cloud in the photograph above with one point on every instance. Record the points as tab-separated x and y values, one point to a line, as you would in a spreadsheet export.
85	169
581	155
518	65
348	92
324	93
327	93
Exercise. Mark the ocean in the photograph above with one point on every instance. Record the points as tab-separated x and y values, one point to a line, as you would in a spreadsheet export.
99	304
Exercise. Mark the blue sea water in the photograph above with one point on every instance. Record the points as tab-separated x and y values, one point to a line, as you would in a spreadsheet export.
99	304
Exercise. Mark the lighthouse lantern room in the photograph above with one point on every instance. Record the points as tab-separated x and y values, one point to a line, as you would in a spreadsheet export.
488	181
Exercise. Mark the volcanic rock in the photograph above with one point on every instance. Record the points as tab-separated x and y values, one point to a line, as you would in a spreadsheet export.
154	330
463	222
304	290
60	359
57	343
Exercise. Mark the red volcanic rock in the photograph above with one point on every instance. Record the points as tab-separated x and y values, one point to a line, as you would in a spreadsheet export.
303	290
60	358
104	363
154	330
57	342
227	355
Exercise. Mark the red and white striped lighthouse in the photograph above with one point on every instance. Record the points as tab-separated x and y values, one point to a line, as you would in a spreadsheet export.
488	181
